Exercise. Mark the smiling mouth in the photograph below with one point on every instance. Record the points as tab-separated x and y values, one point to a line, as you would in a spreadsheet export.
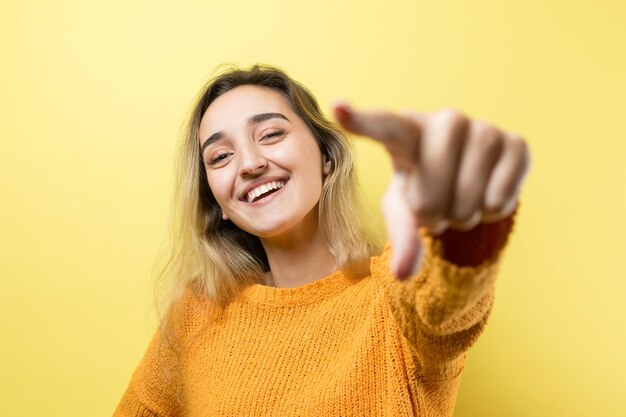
264	191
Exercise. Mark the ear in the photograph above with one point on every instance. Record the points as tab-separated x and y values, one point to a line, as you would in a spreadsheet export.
224	215
327	164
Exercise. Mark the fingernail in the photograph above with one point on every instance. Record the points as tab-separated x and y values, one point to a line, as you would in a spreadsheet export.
400	273
340	102
342	107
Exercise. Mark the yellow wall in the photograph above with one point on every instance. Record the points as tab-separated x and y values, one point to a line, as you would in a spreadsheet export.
92	95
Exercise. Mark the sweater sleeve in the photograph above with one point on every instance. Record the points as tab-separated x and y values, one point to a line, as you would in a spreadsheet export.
151	391
444	307
154	388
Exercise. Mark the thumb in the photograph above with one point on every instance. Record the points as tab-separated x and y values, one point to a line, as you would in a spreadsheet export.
402	229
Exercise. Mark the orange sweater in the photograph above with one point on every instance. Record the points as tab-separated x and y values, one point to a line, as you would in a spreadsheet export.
339	346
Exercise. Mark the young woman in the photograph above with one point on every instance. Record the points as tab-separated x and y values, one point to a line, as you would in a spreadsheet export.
281	302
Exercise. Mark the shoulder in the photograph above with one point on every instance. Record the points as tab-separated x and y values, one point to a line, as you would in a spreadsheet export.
189	312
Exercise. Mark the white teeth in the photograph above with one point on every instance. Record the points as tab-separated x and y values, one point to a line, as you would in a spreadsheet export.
262	189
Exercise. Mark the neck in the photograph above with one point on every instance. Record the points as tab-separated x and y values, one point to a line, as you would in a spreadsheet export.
297	259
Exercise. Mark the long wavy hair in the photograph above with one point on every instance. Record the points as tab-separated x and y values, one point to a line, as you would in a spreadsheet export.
214	257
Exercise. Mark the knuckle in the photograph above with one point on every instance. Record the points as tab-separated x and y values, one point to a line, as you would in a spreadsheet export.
519	146
451	114
518	143
408	113
487	136
452	117
487	133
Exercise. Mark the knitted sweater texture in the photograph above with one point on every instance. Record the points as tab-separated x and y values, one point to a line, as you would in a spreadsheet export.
340	346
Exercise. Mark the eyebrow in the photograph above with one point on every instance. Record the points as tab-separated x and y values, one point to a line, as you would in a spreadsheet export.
257	118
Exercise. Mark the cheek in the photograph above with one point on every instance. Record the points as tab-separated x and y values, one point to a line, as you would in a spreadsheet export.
305	157
219	187
312	162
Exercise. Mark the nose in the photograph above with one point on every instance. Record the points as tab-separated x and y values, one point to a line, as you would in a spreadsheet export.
251	161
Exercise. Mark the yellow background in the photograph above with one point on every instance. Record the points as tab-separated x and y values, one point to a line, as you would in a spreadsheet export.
92	96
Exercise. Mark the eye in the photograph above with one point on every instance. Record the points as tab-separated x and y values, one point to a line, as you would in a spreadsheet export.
218	158
272	134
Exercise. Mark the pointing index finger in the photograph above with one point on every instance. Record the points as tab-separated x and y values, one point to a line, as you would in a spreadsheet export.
400	134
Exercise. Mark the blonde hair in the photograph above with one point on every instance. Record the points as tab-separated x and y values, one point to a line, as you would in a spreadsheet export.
214	257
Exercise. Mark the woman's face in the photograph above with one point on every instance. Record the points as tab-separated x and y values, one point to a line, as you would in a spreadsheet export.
263	164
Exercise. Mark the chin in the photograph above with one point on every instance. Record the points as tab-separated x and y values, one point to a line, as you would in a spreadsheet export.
276	227
270	232
278	223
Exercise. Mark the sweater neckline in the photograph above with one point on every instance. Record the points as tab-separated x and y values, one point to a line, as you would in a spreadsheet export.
304	294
